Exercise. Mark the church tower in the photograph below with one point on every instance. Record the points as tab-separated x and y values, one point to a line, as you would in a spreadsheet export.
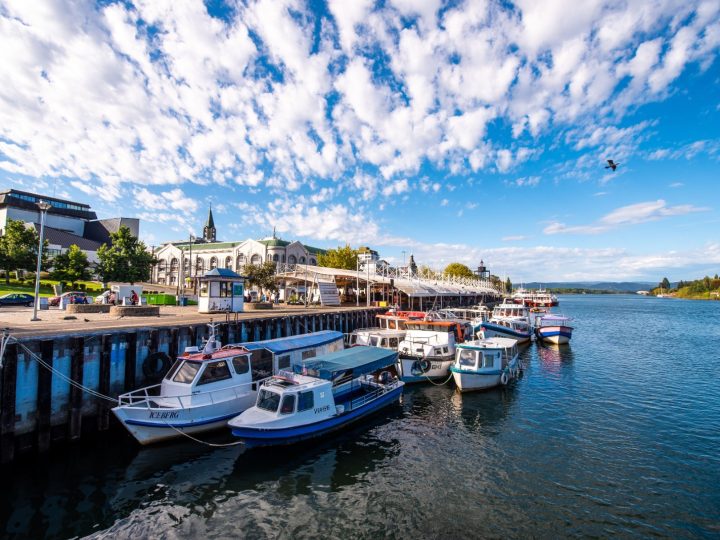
209	229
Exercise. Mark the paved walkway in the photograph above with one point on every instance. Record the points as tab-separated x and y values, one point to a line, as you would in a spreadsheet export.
55	321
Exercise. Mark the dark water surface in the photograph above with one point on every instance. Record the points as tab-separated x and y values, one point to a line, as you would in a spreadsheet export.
616	435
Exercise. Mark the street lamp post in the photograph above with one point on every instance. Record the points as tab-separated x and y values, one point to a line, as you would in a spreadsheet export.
44	207
357	281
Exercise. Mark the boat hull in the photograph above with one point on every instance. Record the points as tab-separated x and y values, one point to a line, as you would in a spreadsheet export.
555	334
492	330
419	370
153	425
473	381
290	435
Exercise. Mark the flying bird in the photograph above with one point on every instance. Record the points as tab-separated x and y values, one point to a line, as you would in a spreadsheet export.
611	165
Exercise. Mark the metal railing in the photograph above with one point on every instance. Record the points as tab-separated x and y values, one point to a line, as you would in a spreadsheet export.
370	396
147	400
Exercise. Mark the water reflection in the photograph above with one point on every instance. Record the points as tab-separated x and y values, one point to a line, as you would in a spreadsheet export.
554	357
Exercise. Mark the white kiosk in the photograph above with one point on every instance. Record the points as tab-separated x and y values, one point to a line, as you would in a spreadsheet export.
221	289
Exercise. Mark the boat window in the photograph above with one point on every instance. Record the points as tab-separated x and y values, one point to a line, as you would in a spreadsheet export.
284	362
445	350
173	369
268	401
393	343
384	343
391	324
241	364
288	404
374	341
308	354
489	360
215	371
467	358
187	372
306	400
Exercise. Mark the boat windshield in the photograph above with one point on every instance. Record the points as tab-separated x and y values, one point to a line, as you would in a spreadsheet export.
268	401
187	372
467	358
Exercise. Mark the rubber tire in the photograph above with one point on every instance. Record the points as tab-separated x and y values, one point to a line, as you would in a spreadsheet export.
156	365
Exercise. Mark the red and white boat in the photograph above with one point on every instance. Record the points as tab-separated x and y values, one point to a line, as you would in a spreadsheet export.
534	298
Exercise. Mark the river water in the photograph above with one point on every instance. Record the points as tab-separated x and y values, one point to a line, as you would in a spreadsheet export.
617	434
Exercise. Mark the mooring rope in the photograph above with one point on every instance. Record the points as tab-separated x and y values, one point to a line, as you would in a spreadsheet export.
214	445
439	384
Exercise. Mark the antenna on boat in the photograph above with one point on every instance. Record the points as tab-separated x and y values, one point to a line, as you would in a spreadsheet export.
211	345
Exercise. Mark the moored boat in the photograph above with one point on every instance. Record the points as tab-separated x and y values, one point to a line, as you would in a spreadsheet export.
510	321
553	328
534	298
205	388
428	349
320	396
389	332
485	363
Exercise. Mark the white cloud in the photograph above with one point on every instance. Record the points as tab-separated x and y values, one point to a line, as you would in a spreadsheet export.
626	215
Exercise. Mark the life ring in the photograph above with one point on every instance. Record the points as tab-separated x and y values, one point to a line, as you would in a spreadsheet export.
504	378
424	366
156	365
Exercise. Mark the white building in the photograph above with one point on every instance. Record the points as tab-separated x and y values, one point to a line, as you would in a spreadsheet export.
203	254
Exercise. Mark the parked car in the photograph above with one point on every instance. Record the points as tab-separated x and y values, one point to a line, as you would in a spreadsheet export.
71	297
17	299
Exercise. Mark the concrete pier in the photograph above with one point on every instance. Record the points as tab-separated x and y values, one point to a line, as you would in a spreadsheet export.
39	408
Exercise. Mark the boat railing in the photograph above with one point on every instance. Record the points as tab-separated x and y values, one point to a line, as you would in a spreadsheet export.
142	398
370	396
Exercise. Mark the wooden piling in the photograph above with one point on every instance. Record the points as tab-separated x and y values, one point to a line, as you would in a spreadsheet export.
7	403
44	395
77	360
130	361
103	408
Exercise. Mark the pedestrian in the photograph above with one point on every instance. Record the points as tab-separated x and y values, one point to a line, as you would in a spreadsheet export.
134	298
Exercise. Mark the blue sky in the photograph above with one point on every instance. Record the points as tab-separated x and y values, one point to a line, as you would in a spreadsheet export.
455	131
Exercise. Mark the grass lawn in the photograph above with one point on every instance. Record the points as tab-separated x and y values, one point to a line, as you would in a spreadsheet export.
92	288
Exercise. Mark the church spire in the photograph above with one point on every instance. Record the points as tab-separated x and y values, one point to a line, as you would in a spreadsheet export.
209	230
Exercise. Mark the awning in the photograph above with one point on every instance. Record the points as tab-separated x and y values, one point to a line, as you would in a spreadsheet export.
354	361
294	343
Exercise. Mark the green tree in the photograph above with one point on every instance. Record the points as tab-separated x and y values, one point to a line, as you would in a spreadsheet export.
665	283
425	272
261	275
125	259
18	248
458	270
342	257
71	266
508	285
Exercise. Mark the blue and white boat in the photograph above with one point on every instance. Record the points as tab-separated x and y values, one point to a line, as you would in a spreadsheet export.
553	328
485	363
508	320
320	396
205	388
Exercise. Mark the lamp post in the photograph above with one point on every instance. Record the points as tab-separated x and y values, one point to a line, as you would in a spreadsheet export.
357	281
44	207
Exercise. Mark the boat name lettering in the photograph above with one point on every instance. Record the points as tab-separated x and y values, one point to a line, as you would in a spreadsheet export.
319	410
164	415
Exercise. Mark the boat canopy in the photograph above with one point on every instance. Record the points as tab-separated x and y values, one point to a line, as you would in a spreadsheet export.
354	361
294	343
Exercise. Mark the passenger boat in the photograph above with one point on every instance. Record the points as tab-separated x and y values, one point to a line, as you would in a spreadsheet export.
534	298
485	363
205	388
475	316
320	396
553	328
508	320
388	333
428	349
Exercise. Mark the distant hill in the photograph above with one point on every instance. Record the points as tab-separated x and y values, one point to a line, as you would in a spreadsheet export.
620	286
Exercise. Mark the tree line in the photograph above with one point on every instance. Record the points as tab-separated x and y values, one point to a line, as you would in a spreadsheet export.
125	258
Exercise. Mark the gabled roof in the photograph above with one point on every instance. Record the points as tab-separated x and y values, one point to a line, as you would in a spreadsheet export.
221	273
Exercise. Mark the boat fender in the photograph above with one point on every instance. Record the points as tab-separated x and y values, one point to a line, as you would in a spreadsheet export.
504	378
156	365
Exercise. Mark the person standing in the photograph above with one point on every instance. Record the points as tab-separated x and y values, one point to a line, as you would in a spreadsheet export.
134	298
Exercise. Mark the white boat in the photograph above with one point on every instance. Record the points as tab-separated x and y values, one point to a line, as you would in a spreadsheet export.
204	389
475	315
428	349
508	320
553	328
320	396
534	298
485	363
388	333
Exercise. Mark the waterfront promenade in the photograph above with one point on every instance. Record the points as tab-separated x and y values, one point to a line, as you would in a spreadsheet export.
56	322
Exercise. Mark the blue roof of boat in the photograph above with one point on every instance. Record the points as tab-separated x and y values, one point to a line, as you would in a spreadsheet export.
358	360
293	343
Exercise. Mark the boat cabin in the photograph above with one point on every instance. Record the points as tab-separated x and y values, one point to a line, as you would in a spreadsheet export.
487	354
461	331
194	376
274	355
510	310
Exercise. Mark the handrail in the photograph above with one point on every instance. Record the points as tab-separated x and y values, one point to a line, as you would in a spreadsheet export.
131	399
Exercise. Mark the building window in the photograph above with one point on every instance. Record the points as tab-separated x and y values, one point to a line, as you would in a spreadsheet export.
240	260
292	259
199	266
256	259
275	258
302	260
173	265
162	265
228	262
313	262
213	263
